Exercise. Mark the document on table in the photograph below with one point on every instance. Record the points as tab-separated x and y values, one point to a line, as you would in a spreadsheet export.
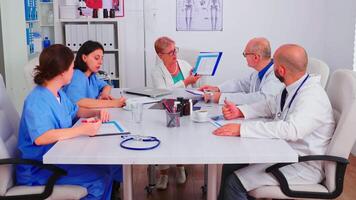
108	128
111	128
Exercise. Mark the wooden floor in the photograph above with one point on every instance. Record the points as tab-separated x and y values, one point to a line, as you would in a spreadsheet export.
192	189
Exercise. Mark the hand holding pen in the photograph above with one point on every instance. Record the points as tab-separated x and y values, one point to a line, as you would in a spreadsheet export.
90	126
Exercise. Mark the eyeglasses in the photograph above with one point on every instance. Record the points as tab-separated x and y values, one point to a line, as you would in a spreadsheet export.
246	54
173	52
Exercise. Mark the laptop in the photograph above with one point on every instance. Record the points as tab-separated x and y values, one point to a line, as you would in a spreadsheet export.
149	92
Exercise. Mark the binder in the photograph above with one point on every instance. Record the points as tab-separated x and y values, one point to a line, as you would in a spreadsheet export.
98	30
74	38
92	32
110	36
68	35
112	65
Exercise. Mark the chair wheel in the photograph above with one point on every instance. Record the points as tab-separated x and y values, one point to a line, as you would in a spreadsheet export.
149	189
204	189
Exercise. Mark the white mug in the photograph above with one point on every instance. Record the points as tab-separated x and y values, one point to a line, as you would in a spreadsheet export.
200	115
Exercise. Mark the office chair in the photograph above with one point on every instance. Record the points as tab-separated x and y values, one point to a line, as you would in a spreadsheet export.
342	94
316	66
9	124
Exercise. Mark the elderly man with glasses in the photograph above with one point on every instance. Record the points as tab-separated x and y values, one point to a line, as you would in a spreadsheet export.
259	85
171	72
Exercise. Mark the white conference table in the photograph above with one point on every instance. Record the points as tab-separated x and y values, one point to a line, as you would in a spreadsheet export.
191	143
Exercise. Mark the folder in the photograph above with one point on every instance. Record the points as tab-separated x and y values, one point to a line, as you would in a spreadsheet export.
92	32
74	37
68	36
99	34
112	65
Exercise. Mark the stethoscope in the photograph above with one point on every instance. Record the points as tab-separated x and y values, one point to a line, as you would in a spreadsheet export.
139	138
279	114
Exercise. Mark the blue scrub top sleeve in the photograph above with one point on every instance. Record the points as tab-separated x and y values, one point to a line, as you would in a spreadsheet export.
38	120
72	108
76	90
101	83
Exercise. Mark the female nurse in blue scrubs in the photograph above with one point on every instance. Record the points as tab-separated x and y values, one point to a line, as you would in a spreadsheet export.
47	118
86	89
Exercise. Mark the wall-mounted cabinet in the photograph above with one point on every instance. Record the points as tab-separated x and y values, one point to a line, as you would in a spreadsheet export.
39	25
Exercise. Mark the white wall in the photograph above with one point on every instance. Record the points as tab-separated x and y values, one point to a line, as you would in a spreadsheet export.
14	47
339	33
293	21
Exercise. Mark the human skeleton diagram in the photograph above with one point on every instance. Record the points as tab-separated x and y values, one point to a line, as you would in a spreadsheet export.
188	12
214	7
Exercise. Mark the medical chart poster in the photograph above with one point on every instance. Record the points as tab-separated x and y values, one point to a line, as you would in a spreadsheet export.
199	15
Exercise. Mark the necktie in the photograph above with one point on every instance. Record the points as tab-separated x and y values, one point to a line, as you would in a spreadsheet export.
283	98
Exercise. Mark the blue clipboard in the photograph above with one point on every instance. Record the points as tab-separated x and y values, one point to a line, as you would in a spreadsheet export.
213	59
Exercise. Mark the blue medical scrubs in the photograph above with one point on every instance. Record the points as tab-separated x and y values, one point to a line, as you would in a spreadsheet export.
43	112
82	86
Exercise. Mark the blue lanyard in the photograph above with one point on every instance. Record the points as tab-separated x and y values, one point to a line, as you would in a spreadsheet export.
128	138
296	92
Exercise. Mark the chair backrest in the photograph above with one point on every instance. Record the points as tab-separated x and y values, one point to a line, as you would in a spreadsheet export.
28	70
9	123
316	66
342	94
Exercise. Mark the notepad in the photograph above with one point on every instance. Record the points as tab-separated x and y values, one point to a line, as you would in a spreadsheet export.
111	128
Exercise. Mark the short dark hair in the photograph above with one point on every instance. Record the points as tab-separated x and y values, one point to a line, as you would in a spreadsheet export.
54	60
87	48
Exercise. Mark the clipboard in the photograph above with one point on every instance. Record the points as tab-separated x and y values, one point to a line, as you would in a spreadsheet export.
207	63
111	128
108	128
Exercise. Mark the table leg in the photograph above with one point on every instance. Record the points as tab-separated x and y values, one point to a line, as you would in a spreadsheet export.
212	180
127	182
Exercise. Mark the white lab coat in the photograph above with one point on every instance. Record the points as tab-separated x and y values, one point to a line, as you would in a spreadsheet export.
250	89
307	127
161	78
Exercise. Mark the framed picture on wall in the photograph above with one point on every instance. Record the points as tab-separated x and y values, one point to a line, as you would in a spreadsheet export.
199	15
118	6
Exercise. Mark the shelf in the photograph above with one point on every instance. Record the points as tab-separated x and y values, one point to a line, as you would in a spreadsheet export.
47	25
32	21
105	50
46	3
90	20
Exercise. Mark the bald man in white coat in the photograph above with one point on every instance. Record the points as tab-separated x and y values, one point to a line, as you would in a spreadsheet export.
259	85
302	115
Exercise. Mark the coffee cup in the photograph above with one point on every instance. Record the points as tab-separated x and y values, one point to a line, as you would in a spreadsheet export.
200	116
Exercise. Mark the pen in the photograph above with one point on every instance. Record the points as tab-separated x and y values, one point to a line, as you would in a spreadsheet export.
217	124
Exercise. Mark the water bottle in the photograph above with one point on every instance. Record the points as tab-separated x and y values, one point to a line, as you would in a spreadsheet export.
46	43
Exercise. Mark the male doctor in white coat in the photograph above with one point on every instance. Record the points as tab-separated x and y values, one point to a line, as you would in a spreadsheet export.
258	85
302	115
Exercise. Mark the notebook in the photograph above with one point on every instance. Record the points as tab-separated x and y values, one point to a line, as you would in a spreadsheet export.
149	92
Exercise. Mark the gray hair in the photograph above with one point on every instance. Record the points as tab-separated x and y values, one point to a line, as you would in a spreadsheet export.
162	43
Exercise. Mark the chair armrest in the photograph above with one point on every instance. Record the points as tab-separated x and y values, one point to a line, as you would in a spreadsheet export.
339	178
56	174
